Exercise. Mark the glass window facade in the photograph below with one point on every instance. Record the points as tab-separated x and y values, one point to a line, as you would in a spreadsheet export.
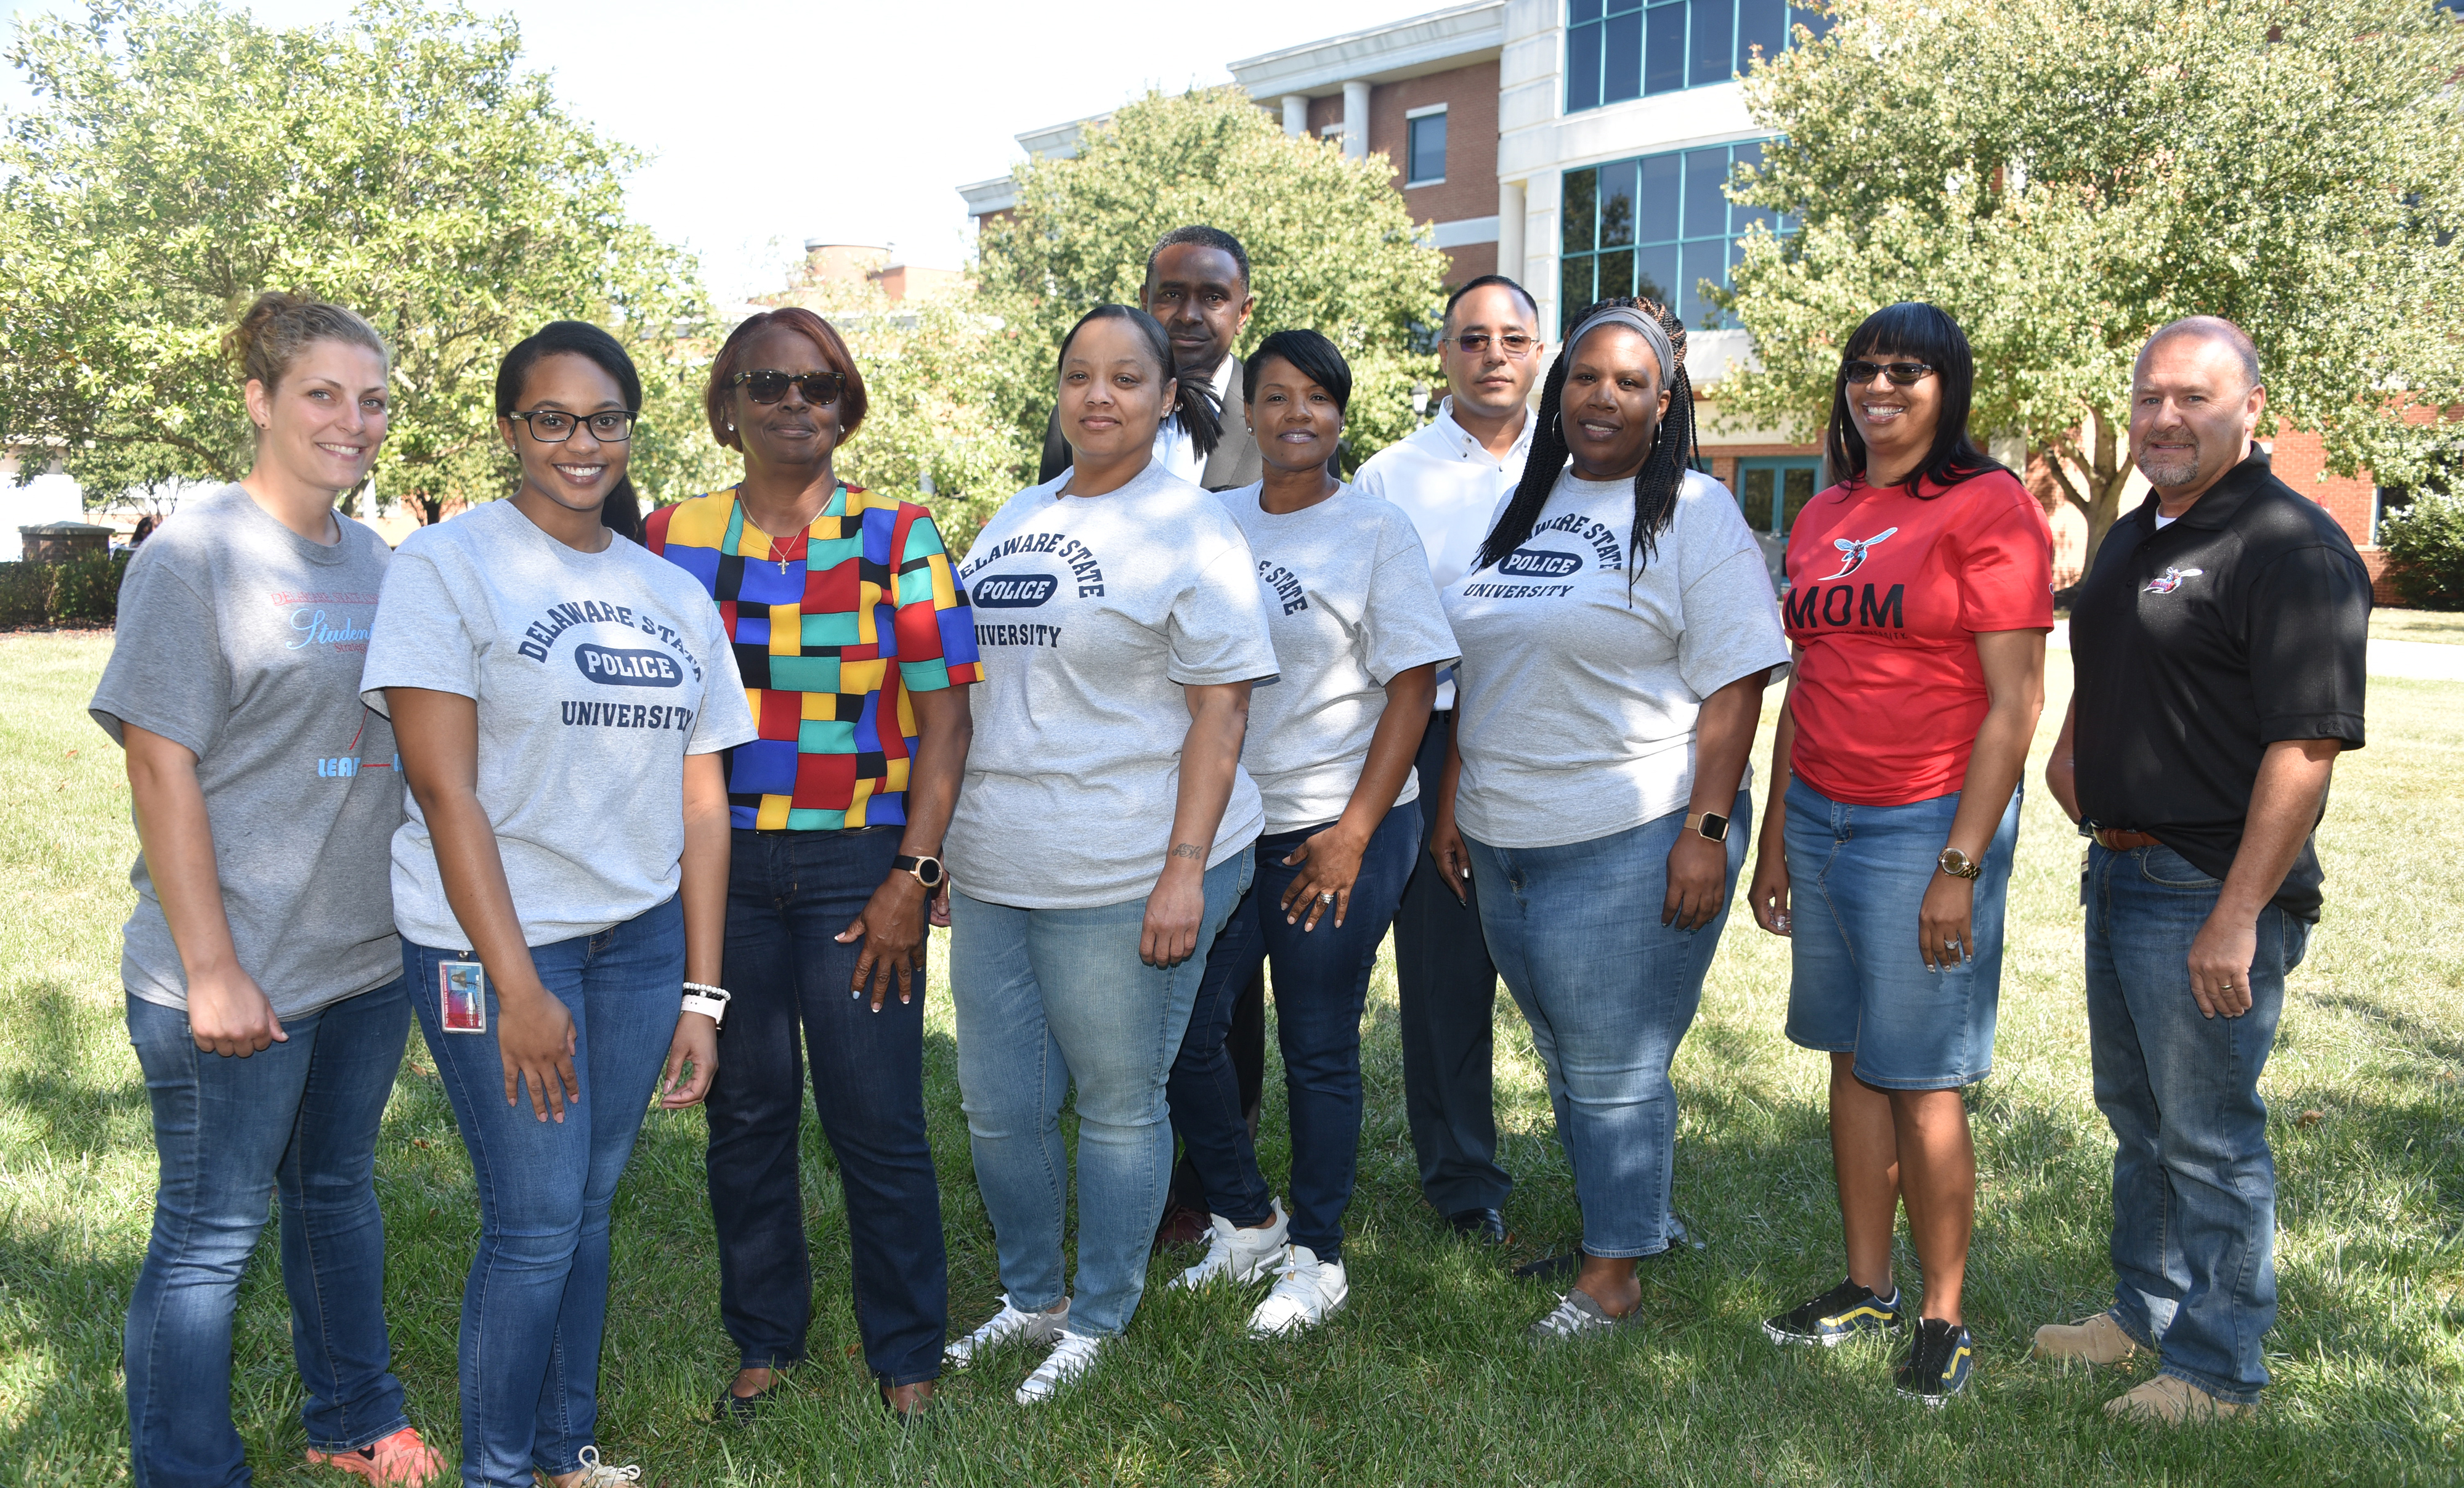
1618	50
1656	226
1427	150
1772	490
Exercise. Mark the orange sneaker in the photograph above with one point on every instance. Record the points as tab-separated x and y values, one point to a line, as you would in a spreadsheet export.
401	1460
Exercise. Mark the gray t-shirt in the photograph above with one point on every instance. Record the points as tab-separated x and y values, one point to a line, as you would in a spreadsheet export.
595	674
1349	602
1091	615
241	641
1579	693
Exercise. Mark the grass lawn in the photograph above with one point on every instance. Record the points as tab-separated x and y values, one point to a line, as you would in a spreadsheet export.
1426	1379
2444	626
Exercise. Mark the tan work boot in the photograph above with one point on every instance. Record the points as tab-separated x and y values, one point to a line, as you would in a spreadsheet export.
2096	1339
2167	1400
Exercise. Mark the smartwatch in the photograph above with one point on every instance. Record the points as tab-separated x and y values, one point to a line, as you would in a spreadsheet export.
1708	824
928	870
709	1001
1959	865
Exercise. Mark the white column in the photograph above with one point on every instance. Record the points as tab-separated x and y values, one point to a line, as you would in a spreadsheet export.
1355	120
1296	113
1509	229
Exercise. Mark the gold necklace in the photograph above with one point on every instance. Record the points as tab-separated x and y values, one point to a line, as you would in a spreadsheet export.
805	531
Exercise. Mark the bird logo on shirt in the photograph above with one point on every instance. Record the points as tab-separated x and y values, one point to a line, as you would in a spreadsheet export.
2172	579
1852	552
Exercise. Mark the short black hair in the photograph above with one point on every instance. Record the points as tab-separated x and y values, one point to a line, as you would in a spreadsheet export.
1913	328
1194	401
622	509
1484	282
1205	237
1311	355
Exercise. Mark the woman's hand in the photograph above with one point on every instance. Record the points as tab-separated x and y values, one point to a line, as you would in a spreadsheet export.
891	928
536	1041
696	1044
1698	881
941	908
1768	896
1945	937
1175	910
1330	863
229	1014
1447	845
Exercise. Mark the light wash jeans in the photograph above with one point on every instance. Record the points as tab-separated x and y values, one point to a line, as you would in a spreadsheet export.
1610	992
1046	999
2194	1182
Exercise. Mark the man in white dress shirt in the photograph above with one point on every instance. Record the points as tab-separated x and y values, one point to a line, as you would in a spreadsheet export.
1450	478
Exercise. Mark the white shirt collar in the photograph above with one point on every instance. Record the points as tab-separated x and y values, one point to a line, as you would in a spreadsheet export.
1462	443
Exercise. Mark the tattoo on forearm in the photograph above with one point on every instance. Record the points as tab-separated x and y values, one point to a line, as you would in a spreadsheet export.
1188	850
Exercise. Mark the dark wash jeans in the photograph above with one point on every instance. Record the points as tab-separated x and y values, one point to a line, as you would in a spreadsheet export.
1321	980
535	1306
298	1119
2194	1182
789	894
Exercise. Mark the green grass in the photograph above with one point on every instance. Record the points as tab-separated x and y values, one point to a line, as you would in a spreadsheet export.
1426	1378
2445	626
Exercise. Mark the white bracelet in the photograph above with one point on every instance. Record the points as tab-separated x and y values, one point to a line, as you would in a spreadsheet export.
711	1002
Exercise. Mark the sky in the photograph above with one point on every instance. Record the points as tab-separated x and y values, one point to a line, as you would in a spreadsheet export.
846	121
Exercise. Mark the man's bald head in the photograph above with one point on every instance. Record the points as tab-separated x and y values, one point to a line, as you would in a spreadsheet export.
2213	328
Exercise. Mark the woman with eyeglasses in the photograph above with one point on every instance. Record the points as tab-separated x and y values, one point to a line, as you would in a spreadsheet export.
1103	837
1617	629
1920	595
856	649
561	699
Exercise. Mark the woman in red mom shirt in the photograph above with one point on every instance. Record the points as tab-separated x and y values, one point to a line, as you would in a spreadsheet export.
1920	595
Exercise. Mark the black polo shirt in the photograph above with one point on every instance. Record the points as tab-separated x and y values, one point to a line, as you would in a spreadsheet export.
2243	623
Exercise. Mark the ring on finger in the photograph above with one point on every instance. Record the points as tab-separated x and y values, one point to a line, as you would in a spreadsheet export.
1327	897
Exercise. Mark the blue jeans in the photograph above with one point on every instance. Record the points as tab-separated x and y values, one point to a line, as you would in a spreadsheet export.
2194	1182
296	1120
1046	998
1610	992
534	1307
1858	877
1321	984
789	894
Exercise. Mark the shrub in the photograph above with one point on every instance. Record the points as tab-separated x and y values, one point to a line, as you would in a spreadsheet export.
2425	549
82	592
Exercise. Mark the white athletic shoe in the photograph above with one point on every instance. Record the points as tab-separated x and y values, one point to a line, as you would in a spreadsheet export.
1307	1291
1009	1325
1240	1255
1073	1356
596	1474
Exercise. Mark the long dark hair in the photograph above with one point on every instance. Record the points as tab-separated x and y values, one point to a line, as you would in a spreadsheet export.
1663	470
1923	333
1196	404
621	510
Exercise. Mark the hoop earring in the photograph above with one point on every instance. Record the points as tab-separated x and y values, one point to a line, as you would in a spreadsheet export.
1557	427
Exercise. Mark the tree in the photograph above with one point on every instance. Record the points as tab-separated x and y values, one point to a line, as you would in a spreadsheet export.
1331	248
180	159
2063	176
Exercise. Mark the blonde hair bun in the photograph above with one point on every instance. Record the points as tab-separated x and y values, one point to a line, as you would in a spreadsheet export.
279	326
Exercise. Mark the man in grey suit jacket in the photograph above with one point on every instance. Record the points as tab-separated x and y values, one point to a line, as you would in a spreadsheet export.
1197	285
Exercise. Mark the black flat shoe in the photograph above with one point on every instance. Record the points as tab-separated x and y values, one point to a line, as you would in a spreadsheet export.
1485	1226
1552	1268
734	1410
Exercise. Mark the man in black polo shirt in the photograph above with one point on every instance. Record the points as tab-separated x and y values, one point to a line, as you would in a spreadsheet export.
2218	650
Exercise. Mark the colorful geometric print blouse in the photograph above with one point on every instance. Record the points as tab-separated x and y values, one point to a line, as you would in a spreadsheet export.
816	620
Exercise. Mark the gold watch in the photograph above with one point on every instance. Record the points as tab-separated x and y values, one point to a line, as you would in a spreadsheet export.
1959	865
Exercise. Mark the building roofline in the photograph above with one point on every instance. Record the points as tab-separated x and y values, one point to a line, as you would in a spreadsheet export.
1411	46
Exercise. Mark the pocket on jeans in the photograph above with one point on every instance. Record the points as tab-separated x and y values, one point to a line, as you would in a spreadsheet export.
2162	865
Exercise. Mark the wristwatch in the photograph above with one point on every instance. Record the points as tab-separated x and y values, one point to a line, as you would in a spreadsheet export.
928	870
711	1002
1959	865
1707	824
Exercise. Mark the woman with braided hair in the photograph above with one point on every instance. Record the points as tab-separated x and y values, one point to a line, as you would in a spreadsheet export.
1618	627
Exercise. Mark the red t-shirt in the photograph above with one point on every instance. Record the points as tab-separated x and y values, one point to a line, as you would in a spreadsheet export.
1887	593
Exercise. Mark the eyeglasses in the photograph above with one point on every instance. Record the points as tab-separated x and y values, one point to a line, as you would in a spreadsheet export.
552	426
1515	343
1903	374
769	384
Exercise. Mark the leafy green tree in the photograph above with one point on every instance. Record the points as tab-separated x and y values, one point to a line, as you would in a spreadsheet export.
2063	176
1331	248
181	158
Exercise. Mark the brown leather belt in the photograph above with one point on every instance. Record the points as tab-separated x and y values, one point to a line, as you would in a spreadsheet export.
2113	839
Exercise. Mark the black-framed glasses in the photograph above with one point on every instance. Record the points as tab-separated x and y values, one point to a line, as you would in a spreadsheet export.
1514	344
555	426
1903	374
770	385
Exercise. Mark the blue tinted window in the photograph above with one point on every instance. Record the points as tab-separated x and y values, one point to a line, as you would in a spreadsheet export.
1656	204
1617	204
1760	25
1710	42
1621	65
1580	212
1664	48
1618	50
1663	227
1707	208
1428	148
1582	68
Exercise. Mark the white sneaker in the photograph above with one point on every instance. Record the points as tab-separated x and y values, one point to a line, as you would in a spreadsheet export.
1073	1356
1307	1291
596	1474
1009	1325
1240	1256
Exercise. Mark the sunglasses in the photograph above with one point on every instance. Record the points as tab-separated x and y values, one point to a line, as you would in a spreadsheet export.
1514	344
768	385
1903	374
548	426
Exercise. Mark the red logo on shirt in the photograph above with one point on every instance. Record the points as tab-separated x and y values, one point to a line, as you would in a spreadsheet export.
1852	552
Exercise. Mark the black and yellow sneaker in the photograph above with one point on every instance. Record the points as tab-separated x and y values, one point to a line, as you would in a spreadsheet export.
1835	1317
1935	1366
